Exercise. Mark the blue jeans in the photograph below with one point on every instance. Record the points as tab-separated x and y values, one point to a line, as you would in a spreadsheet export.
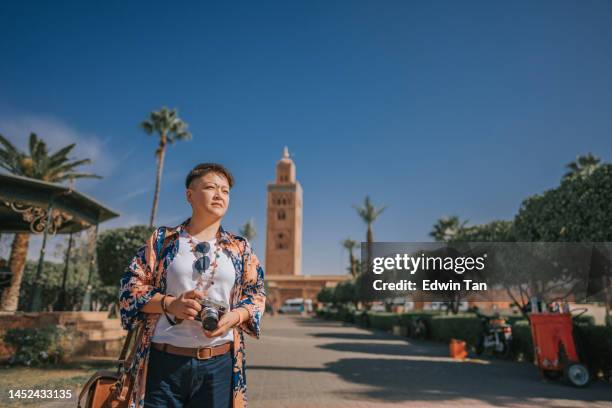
177	381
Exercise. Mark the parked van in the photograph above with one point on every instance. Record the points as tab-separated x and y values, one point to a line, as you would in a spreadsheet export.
297	305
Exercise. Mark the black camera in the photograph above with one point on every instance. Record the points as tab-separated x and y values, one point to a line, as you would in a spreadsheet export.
211	313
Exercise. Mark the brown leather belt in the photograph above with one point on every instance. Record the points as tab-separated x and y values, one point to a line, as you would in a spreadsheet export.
201	353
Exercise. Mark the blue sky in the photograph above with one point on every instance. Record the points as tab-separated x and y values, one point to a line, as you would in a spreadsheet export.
433	107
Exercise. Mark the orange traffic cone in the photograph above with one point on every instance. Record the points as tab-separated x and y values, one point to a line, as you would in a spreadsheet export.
457	349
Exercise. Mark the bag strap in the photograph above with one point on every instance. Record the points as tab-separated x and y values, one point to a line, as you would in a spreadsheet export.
85	390
122	384
126	345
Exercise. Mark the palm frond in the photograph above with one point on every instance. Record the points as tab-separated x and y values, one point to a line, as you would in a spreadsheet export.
148	127
8	146
33	142
67	167
61	155
39	164
76	176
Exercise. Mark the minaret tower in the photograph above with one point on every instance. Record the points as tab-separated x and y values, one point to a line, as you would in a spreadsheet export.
284	228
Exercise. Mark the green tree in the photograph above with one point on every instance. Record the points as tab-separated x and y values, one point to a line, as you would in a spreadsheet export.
369	214
325	295
578	210
346	292
494	231
584	165
38	164
167	125
248	230
446	228
116	247
454	231
349	245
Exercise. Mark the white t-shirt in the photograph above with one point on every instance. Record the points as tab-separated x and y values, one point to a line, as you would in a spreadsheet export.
182	276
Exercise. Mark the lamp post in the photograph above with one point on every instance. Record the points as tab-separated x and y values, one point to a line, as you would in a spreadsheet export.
36	298
61	303
86	307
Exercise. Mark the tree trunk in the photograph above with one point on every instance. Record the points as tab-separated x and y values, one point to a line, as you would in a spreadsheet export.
160	167
608	321
370	240
19	252
353	265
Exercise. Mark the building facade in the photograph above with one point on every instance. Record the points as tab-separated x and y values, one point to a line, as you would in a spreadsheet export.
284	277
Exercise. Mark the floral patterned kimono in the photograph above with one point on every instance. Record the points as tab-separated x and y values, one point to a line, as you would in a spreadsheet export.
146	276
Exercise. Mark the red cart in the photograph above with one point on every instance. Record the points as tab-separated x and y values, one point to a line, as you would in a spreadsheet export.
554	348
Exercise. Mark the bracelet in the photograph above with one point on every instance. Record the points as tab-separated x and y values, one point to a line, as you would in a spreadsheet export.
240	320
163	305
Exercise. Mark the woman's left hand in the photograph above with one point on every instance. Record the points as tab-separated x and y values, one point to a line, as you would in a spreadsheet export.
226	322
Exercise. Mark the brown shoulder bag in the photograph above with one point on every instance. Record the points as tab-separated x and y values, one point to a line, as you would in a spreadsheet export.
110	389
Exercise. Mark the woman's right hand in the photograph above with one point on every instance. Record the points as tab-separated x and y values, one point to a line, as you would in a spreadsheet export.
186	306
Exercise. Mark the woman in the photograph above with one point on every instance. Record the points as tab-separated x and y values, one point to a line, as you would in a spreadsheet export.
177	362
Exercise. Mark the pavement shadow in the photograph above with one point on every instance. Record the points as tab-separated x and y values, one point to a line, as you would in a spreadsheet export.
357	336
286	368
313	321
501	384
378	348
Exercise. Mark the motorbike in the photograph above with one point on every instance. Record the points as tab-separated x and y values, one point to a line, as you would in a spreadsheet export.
495	336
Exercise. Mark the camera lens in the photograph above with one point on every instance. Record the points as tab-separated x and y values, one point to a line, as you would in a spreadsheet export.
210	318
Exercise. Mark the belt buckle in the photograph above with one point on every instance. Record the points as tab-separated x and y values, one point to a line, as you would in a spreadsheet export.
206	356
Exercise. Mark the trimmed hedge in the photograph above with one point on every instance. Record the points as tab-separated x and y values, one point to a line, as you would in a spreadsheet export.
344	314
595	348
444	328
521	348
383	320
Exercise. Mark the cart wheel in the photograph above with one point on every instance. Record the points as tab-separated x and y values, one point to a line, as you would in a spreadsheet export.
577	374
504	351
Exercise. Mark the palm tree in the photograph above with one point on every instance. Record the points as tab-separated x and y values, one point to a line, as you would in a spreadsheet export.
349	245
369	214
248	230
37	164
446	228
169	127
582	166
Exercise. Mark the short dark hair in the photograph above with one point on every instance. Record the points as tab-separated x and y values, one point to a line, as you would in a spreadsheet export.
205	168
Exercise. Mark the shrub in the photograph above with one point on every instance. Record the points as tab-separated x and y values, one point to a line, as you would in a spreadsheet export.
588	320
383	320
595	347
360	317
521	348
345	314
463	327
40	346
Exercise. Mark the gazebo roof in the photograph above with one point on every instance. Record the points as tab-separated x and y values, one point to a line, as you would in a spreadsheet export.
24	200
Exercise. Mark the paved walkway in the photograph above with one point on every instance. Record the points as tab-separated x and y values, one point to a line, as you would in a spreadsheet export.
302	362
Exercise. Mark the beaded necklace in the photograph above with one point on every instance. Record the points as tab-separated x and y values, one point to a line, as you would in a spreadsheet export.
203	284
